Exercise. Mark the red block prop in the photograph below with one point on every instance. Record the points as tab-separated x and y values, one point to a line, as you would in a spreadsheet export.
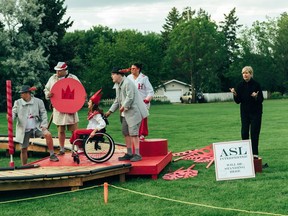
258	165
10	121
155	158
69	95
153	147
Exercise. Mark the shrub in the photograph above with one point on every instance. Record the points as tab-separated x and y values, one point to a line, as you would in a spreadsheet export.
276	95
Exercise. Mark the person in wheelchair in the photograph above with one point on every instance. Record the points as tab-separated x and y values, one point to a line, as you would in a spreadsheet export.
95	123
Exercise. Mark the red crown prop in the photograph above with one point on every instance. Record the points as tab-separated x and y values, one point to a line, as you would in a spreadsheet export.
67	94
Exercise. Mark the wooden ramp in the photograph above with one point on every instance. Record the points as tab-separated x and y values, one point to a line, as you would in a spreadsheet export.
36	145
56	177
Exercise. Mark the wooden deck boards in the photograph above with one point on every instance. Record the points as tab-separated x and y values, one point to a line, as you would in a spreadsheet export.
54	177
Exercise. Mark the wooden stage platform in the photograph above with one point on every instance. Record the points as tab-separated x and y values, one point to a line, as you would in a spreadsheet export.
36	145
67	173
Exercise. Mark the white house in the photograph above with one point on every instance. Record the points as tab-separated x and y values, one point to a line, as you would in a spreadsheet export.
173	89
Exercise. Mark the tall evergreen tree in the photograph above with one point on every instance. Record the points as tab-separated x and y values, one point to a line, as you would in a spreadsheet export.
54	11
229	28
194	53
172	21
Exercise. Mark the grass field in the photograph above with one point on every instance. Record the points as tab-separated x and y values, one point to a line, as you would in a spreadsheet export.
186	127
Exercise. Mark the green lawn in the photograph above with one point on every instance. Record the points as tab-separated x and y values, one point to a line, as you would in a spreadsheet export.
186	127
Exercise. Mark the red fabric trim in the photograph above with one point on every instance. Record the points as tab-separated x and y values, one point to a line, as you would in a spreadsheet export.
91	115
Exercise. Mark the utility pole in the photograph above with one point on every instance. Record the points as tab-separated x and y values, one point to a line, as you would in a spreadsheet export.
188	14
188	10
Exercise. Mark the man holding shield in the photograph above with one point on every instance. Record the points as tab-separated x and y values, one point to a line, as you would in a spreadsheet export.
63	120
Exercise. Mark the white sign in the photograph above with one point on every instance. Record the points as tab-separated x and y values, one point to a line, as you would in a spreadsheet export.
233	160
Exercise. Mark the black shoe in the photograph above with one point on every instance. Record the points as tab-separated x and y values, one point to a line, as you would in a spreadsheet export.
96	146
125	157
135	158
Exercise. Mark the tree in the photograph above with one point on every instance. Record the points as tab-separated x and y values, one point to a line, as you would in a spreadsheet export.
257	50
3	69
229	28
120	48
25	59
194	53
281	51
86	53
52	21
172	20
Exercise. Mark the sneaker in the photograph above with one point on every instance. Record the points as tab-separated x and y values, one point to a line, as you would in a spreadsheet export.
80	151
135	158
61	152
54	158
125	157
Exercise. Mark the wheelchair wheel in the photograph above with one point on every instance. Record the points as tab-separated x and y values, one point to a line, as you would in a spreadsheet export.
99	148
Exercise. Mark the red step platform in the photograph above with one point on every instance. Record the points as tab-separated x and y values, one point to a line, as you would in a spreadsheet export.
155	158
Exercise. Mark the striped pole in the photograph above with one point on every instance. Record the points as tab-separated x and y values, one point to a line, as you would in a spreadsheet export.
10	122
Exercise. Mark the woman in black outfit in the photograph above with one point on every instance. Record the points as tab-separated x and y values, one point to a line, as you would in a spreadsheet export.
249	94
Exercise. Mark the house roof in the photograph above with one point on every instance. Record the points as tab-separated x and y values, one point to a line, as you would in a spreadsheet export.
177	81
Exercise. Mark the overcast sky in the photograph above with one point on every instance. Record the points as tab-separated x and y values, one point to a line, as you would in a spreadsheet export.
149	15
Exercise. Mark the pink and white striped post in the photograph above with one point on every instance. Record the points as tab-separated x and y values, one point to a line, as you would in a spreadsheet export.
10	121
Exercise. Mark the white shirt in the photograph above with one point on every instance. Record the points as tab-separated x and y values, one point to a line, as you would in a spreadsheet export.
143	85
97	122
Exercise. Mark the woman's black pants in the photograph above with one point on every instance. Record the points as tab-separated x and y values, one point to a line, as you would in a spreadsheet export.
251	122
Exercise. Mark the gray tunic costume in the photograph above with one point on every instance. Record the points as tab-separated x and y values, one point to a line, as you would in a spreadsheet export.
20	111
127	95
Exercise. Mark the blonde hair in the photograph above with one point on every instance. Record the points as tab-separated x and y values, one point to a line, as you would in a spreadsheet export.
248	69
